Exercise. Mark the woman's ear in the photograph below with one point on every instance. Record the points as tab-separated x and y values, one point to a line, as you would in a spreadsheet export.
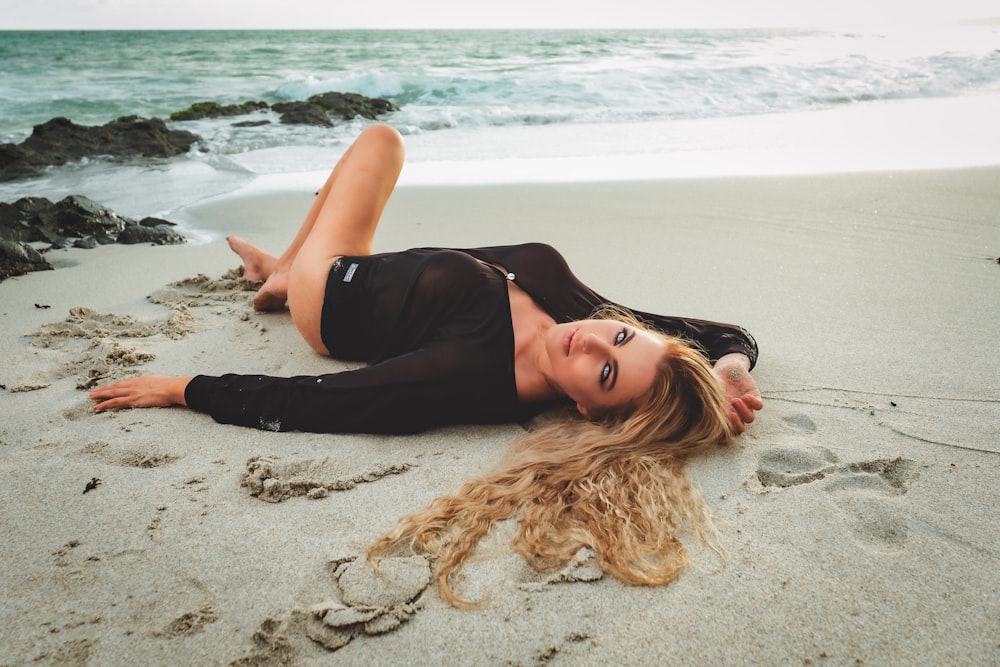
583	411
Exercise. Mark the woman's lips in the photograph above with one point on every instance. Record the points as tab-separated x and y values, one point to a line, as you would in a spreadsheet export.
569	340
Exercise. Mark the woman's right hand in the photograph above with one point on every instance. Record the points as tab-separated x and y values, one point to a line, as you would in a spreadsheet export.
147	391
742	395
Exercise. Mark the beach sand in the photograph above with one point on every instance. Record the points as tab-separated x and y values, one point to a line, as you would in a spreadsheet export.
859	512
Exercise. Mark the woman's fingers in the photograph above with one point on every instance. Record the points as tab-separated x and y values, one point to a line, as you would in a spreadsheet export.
112	396
148	391
107	390
752	402
112	404
743	411
737	422
747	406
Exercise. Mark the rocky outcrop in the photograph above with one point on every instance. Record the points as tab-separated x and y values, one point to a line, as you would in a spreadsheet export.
16	259
346	106
317	110
150	230
74	221
60	141
200	110
304	113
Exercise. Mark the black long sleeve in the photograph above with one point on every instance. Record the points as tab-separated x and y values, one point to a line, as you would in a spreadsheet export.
410	393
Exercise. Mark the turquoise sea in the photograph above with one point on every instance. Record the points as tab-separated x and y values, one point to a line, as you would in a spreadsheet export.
516	105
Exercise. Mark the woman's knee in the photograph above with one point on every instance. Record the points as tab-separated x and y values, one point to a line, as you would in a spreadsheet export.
384	140
385	134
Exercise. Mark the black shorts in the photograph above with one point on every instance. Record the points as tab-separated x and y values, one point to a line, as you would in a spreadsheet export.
381	306
345	322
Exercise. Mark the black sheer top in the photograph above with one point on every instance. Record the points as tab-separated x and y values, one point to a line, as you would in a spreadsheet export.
434	326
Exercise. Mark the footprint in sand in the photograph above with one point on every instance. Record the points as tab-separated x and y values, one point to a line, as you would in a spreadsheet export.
273	481
366	603
782	468
865	491
187	624
71	652
800	422
147	457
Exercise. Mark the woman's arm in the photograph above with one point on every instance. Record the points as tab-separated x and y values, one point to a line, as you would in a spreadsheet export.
413	392
148	391
742	395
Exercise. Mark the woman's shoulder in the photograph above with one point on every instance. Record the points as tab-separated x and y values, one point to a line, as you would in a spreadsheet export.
521	253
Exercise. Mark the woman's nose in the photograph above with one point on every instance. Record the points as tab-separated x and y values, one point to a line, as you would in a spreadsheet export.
592	343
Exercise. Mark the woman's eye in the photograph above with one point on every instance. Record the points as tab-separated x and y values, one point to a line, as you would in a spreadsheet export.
605	372
620	337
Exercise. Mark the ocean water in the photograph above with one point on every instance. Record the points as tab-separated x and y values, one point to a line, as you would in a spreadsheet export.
481	106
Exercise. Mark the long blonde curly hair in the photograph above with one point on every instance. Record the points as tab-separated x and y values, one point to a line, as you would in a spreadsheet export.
616	484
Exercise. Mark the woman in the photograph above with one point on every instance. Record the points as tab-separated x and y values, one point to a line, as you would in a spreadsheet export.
484	336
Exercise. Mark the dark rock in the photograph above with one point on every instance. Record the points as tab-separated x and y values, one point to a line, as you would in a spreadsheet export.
351	105
60	141
77	217
303	113
32	205
19	221
201	110
44	226
13	225
16	259
344	105
155	222
16	163
157	235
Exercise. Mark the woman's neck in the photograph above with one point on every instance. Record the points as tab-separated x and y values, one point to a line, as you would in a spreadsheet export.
530	323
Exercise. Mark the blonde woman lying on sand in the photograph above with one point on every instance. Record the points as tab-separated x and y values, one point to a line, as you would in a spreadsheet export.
489	335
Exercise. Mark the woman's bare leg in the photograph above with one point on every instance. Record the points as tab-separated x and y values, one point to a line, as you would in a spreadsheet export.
352	231
344	224
259	264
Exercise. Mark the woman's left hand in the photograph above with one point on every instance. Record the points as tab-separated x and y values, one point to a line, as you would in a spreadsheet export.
742	395
147	391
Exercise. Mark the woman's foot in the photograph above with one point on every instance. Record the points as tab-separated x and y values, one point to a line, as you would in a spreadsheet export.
273	294
260	265
257	264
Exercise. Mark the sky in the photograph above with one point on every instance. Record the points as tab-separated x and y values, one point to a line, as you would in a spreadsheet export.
342	14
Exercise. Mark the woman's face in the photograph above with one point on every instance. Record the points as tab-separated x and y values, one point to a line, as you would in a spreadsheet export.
602	364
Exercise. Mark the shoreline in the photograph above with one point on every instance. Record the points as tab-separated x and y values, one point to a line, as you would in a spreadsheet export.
864	490
863	139
896	136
